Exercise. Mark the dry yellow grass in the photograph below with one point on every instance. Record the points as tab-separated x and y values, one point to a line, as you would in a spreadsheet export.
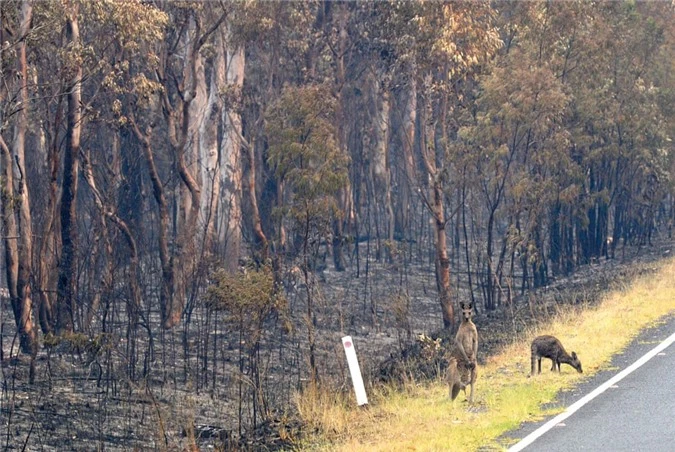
422	418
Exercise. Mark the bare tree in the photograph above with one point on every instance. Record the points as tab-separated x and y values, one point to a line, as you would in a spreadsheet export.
68	265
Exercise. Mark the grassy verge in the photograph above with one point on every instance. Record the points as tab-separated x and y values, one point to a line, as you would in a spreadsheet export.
422	417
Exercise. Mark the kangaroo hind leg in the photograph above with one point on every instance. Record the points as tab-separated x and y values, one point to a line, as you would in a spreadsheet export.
472	382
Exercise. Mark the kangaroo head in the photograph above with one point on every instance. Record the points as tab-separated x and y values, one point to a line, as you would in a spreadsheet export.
576	363
467	311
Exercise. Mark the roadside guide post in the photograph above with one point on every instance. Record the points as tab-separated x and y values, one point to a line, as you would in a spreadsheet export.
355	371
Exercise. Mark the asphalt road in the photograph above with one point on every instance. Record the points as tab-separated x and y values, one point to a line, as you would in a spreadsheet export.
636	413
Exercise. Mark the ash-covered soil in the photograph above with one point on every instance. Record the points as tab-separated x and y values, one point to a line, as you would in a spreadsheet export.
193	387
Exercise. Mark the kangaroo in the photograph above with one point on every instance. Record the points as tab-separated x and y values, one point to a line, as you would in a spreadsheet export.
460	374
462	361
551	348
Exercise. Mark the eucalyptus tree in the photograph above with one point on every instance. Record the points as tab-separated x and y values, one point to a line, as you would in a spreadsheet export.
69	54
110	35
435	47
468	40
520	141
640	133
267	31
15	203
580	94
66	288
104	36
285	44
613	53
175	87
305	155
664	97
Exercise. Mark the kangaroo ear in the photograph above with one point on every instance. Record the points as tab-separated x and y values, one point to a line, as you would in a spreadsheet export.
574	355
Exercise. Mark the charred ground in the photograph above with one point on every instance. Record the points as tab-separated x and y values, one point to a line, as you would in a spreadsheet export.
193	386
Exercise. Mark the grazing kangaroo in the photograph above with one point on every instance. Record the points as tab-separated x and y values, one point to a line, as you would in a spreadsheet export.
462	360
551	348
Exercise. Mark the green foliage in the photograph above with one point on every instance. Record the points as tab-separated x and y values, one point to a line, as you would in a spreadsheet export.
132	30
248	297
450	39
118	45
130	23
238	292
303	151
80	343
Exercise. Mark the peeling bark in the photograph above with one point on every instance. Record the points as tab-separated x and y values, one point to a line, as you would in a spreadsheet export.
231	170
209	154
197	117
179	125
408	183
182	127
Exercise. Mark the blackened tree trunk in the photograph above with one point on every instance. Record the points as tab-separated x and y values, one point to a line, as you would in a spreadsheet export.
166	262
436	204
539	267
47	241
66	289
489	286
379	177
21	301
568	241
107	213
341	222
582	241
555	238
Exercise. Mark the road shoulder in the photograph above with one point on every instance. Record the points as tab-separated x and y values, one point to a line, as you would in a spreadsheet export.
645	341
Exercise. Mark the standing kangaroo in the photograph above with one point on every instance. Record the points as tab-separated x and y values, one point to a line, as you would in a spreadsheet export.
551	348
462	361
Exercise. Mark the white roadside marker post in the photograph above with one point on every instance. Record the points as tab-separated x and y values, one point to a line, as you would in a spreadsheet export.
355	371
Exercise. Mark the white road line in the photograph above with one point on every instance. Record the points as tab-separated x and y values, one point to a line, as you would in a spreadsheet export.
529	439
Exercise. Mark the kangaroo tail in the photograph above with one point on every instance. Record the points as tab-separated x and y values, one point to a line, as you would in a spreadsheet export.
454	390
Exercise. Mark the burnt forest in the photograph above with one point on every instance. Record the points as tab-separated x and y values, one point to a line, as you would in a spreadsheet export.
199	199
